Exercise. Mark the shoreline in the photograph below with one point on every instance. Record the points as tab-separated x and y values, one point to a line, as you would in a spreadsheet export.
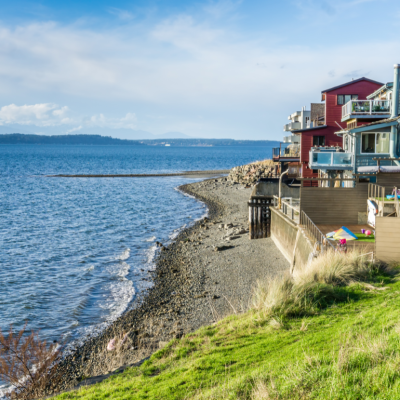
183	174
206	273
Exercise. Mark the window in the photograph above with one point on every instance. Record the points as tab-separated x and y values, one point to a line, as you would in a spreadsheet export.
315	171
382	143
345	98
375	143
318	140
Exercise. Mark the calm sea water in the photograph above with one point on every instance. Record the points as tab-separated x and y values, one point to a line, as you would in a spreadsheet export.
74	253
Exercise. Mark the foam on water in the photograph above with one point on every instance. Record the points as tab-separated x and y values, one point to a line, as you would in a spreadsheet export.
125	255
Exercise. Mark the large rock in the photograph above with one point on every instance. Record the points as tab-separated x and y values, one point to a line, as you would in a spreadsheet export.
250	173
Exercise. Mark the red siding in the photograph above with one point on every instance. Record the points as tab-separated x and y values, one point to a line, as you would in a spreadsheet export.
333	112
333	117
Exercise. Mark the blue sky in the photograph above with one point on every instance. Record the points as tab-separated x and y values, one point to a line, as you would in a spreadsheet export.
221	69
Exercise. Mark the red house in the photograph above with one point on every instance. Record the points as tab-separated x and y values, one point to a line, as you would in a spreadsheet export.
326	118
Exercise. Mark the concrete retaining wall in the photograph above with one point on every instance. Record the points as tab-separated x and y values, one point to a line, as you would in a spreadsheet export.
290	239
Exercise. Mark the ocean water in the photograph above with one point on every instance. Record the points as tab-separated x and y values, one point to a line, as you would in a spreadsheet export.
74	253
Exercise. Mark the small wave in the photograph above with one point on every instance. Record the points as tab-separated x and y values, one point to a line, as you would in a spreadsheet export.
152	239
151	255
125	255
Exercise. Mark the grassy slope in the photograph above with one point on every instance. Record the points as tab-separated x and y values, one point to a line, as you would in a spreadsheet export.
349	350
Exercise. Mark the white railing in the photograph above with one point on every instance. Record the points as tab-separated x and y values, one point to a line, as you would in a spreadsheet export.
364	107
289	206
291	139
292	126
331	159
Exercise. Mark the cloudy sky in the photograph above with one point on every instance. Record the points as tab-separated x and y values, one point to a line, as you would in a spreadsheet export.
223	69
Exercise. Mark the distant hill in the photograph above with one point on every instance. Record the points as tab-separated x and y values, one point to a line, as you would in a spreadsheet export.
19	138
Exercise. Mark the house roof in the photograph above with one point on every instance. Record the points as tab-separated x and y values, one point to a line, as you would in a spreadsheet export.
388	85
351	82
310	129
383	122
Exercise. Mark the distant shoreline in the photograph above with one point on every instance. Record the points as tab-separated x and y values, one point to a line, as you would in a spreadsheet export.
98	140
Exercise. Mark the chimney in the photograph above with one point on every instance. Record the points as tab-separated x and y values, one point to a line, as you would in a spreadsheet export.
395	113
395	95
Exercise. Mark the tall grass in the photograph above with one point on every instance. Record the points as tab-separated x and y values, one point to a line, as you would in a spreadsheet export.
316	285
361	367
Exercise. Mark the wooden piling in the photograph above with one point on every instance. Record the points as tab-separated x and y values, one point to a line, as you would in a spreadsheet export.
259	217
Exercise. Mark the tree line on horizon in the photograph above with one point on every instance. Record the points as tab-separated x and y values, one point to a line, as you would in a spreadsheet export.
20	138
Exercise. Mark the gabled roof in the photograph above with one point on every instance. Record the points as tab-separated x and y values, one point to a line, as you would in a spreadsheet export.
388	86
350	83
374	125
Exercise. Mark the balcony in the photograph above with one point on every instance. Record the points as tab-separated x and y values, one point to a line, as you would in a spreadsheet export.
366	109
292	126
291	139
331	160
286	152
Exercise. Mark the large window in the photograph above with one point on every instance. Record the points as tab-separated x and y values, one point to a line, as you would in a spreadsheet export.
375	143
345	98
318	140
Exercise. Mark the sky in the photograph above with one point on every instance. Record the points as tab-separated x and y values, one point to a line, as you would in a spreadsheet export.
210	69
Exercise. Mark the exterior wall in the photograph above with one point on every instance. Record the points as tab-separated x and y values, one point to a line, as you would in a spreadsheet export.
326	206
387	239
271	188
388	181
334	111
307	140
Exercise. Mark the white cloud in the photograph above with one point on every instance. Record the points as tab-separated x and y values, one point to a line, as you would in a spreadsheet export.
45	114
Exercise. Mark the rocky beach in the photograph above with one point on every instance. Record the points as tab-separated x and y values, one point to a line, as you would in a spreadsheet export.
207	273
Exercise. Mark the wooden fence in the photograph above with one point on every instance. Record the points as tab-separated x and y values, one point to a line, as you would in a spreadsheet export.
333	205
260	216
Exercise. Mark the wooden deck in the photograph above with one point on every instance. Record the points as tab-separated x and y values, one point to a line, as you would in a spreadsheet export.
365	246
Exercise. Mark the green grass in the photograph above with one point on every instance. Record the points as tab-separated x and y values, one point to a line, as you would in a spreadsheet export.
361	237
346	346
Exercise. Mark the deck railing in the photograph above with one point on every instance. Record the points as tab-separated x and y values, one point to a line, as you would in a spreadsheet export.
313	231
376	192
286	150
366	107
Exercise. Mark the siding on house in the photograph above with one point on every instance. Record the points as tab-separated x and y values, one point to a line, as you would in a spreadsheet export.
387	239
334	111
327	206
388	181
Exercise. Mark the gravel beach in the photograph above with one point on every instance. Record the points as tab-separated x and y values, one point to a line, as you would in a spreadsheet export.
208	272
